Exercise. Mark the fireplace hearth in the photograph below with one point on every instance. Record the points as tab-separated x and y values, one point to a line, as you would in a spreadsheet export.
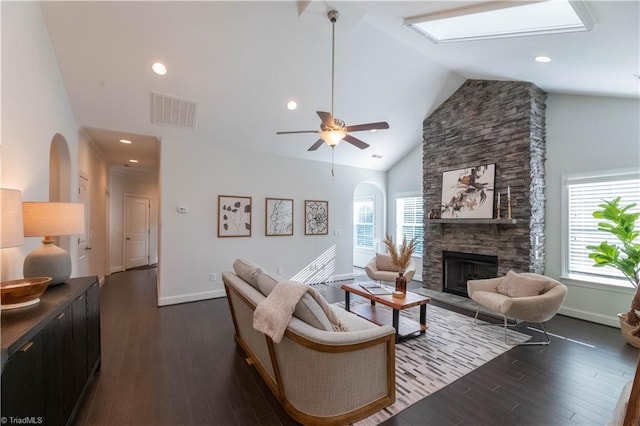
460	267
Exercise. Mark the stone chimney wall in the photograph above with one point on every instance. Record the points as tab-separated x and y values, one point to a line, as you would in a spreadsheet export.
488	122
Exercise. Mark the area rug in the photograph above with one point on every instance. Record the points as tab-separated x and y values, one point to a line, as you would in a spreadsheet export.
452	347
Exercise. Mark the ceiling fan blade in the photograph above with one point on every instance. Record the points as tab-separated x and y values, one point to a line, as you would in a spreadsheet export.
356	142
297	131
369	126
326	118
316	145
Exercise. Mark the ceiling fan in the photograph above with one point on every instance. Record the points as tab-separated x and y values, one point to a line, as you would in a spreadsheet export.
333	130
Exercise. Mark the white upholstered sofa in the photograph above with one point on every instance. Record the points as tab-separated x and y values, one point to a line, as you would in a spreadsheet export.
319	376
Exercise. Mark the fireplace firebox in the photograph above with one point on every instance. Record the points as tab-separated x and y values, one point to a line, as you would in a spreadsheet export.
460	267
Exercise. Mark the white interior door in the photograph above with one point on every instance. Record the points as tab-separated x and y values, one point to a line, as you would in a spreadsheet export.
84	240
136	231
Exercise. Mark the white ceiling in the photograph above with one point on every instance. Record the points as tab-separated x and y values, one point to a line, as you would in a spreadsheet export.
242	61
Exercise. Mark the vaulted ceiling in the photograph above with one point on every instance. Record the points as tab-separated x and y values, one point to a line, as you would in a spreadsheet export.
241	62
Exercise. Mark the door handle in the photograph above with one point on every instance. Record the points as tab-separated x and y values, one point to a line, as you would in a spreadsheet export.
128	238
88	248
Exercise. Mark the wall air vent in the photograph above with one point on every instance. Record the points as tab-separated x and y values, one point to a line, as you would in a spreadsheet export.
171	111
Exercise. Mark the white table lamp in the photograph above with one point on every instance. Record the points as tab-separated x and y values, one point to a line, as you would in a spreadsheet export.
50	219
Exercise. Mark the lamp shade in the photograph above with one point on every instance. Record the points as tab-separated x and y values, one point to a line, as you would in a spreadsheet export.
52	219
11	229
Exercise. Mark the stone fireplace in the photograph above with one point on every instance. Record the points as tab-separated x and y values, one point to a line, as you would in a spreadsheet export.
488	122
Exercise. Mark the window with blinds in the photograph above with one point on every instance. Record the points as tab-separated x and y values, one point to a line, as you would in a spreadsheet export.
584	195
409	213
363	221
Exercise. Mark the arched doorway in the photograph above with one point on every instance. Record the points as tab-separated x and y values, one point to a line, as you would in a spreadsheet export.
60	178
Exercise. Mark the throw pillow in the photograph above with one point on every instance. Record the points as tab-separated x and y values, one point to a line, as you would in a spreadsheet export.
248	271
307	309
517	285
384	263
267	282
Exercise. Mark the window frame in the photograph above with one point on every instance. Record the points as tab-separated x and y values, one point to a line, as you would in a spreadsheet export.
372	199
621	285
399	222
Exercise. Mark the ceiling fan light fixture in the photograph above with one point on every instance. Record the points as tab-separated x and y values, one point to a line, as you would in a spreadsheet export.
333	137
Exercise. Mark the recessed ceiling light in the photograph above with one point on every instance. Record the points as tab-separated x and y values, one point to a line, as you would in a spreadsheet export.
133	161
159	68
291	105
127	141
543	59
496	19
373	130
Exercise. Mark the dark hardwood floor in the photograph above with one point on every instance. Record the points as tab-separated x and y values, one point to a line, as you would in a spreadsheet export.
179	365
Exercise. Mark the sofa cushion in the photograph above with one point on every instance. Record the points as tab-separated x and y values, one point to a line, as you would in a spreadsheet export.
248	271
384	263
517	285
266	282
307	309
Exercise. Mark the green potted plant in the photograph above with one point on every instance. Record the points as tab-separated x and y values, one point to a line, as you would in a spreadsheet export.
624	256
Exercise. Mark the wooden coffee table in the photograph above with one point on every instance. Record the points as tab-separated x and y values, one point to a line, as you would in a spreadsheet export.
405	328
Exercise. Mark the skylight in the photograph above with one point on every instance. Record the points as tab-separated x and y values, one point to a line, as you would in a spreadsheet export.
502	19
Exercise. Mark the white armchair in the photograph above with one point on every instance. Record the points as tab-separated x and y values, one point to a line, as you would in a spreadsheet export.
525	297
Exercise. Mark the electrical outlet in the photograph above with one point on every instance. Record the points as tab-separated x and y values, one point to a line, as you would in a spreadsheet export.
213	276
279	270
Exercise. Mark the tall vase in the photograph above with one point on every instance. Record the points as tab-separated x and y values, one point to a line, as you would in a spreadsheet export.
401	283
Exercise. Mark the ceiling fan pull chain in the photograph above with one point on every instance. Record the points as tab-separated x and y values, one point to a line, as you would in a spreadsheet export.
332	152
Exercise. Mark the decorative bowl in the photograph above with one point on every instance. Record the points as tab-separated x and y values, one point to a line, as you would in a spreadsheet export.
23	292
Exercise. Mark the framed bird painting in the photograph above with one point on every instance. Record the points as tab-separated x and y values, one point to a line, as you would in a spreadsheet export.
468	193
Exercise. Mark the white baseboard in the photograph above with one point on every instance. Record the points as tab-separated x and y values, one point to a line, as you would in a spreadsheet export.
115	269
340	277
590	316
192	297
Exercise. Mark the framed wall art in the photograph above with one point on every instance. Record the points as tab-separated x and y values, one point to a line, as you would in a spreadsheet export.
468	193
316	217
278	217
234	216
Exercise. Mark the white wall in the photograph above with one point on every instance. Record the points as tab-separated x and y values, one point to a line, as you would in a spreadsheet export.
194	174
93	167
586	134
405	180
35	108
129	184
362	256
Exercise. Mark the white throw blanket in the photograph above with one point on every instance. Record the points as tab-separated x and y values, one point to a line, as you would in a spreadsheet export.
273	314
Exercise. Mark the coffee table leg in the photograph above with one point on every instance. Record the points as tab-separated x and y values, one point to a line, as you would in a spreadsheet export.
423	314
396	322
347	301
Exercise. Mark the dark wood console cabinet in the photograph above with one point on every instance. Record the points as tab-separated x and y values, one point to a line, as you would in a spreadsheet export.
50	352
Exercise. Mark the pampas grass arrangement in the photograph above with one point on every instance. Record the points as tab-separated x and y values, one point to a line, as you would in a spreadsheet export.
400	257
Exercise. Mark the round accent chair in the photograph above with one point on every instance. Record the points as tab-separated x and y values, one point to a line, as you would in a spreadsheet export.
524	297
380	268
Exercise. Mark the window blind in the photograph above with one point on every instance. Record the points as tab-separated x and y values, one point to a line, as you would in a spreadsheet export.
409	213
584	195
363	221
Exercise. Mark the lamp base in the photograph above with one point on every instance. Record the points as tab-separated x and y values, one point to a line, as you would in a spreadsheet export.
48	260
